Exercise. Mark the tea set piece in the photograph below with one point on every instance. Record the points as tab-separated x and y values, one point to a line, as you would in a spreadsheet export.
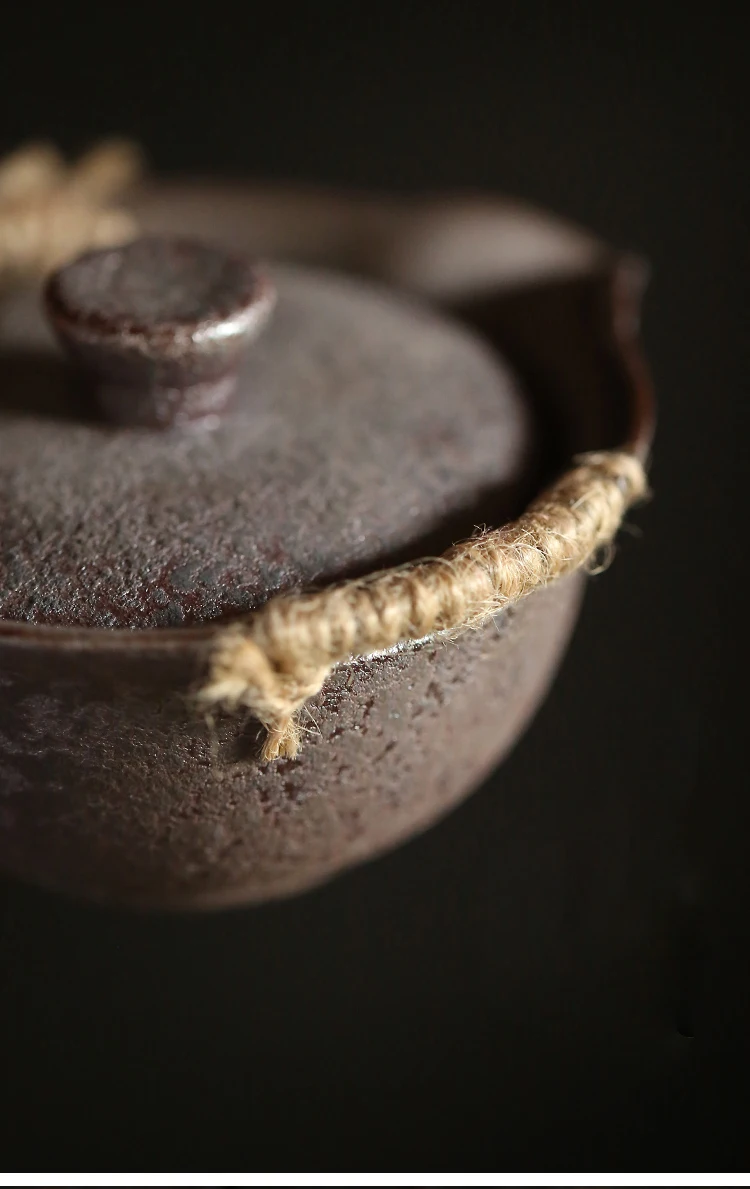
297	495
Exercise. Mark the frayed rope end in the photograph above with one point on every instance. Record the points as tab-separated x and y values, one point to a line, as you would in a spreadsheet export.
242	675
282	742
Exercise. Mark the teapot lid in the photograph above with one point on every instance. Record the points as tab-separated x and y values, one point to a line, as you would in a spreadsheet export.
364	429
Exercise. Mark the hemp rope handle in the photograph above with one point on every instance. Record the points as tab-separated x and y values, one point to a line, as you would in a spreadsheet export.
280	657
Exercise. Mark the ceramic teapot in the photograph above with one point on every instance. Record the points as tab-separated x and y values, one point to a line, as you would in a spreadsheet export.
289	550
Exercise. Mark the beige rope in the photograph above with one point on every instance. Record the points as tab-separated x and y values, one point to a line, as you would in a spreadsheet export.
49	212
280	657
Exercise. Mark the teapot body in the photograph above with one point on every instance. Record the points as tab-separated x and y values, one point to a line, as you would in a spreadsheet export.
114	789
115	786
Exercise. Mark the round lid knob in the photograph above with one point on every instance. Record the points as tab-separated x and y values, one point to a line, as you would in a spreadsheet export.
161	325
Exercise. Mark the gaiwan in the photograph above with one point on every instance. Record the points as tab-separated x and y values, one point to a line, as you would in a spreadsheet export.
290	550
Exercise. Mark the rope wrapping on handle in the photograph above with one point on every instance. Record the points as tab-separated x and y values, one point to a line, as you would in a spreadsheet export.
273	662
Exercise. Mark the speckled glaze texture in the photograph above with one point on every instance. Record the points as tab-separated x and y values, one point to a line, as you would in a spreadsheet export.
112	786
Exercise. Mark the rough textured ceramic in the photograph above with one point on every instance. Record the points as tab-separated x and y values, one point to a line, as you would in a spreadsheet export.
112	785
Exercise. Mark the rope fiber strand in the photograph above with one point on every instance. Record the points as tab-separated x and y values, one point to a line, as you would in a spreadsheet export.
273	662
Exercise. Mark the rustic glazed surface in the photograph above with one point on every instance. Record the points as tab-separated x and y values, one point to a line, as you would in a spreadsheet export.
114	788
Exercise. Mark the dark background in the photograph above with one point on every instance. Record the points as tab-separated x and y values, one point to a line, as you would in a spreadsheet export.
556	976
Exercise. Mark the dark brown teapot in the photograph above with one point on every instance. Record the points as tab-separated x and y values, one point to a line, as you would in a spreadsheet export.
226	672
